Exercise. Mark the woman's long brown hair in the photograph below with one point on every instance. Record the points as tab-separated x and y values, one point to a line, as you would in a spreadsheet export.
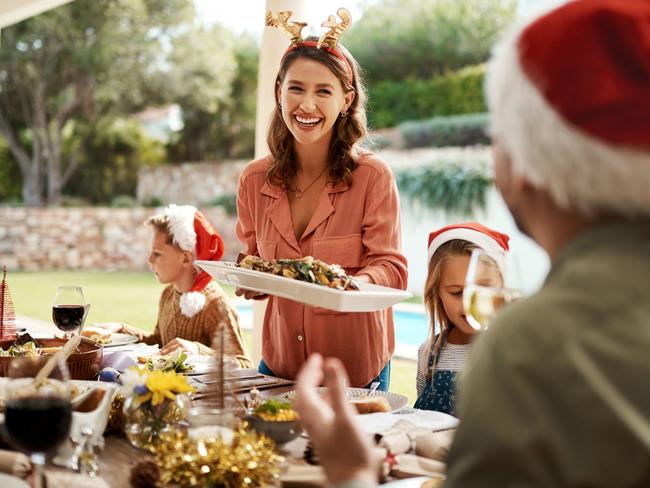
348	131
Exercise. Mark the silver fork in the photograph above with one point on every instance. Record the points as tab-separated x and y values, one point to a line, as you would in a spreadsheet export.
373	386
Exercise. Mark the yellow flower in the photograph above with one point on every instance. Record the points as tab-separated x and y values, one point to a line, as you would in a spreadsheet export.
167	384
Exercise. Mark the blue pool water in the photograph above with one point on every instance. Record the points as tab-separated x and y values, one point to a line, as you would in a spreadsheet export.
411	327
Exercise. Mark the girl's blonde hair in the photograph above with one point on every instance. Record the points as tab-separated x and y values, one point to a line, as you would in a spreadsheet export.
348	130
432	300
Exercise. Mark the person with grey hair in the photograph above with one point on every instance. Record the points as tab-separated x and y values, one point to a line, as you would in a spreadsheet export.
555	393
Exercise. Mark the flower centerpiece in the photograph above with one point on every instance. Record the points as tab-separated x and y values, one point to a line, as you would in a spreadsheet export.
154	402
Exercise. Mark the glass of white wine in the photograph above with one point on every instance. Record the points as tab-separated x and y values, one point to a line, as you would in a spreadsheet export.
486	289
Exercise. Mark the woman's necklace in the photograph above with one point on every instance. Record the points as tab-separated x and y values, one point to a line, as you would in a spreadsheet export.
300	193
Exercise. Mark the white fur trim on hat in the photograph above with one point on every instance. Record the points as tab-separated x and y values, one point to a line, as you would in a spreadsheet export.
181	226
485	242
192	303
578	170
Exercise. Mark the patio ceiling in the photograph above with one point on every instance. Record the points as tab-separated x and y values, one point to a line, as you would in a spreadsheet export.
13	11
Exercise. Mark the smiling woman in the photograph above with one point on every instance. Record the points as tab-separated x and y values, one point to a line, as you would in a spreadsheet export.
319	194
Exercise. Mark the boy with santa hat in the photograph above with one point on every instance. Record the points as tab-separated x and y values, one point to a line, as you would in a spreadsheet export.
192	307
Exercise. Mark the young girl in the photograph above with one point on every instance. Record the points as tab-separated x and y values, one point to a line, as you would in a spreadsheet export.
442	357
192	306
319	194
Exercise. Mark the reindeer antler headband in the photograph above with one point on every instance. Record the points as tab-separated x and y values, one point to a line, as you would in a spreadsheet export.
327	41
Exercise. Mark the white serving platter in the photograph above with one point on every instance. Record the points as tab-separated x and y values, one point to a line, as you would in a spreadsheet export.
369	297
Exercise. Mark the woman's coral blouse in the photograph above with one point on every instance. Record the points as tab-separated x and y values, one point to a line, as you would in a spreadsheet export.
357	227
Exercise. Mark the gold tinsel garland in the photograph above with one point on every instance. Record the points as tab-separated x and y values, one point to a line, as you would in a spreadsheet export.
250	460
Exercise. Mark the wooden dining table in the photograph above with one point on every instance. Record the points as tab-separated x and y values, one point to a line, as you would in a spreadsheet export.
118	456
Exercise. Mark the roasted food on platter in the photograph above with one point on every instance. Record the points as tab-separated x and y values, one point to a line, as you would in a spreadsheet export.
100	336
83	364
174	361
276	410
304	269
26	346
371	404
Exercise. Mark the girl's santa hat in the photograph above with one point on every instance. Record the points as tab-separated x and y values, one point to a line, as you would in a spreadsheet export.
569	95
192	232
494	243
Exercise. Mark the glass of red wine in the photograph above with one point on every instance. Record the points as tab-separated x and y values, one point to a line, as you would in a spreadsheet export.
69	309
37	415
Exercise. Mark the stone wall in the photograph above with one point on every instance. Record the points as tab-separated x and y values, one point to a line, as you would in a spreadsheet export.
194	183
201	183
87	238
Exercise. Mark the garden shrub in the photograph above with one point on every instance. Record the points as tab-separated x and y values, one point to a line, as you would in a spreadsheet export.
455	130
457	92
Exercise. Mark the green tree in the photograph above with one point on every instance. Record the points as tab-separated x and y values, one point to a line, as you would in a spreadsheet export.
397	39
112	151
225	129
75	65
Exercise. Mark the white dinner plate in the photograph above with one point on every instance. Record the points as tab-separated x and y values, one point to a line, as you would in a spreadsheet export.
118	339
368	298
8	481
200	365
396	401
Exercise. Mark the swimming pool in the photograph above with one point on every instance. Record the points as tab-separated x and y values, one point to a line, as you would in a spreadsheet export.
411	326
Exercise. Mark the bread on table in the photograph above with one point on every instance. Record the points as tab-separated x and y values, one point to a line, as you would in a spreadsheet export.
373	404
101	336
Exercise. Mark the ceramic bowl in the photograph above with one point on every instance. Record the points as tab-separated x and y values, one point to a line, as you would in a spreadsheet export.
281	432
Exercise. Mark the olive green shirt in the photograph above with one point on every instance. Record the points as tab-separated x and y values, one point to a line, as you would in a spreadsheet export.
557	392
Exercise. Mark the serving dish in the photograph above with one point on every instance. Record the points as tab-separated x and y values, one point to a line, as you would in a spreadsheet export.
369	297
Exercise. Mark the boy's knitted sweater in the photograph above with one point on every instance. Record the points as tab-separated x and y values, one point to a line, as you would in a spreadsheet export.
201	328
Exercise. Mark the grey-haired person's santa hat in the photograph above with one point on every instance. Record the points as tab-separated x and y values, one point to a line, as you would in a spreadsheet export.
569	94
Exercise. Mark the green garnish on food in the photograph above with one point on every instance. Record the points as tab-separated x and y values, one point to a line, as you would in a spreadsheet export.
276	410
174	362
27	349
273	406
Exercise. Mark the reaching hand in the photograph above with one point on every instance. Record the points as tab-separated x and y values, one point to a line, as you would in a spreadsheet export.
344	450
250	295
187	346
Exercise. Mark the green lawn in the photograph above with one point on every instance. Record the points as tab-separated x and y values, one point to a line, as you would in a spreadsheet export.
131	298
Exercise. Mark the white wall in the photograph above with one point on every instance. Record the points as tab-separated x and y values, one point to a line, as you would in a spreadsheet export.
529	258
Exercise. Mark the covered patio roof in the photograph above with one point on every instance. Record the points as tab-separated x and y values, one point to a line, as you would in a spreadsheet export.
13	11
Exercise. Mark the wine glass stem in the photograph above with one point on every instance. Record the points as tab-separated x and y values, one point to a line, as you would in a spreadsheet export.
38	461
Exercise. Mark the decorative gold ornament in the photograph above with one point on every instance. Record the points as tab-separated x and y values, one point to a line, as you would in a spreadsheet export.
116	416
331	37
248	461
293	30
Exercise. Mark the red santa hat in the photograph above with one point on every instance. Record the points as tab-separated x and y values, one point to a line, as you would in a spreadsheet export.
569	95
191	231
494	243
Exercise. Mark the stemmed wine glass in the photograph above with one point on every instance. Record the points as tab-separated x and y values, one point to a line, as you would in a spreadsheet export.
487	288
69	309
37	416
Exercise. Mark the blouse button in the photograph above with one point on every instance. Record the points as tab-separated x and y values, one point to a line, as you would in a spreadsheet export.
300	337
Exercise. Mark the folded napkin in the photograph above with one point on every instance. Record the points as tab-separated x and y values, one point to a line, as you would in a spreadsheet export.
410	465
15	463
118	360
434	445
405	436
302	474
